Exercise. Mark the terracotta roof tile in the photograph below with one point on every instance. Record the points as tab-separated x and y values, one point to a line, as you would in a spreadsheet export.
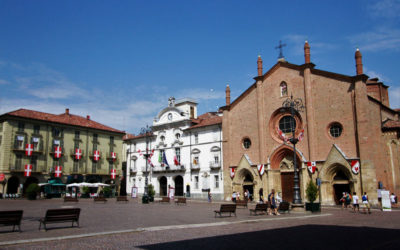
65	118
128	137
391	124
207	119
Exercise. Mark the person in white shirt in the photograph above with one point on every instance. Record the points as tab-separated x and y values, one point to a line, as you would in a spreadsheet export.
355	202
393	198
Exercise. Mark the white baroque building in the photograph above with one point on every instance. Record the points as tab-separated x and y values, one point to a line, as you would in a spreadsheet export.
186	153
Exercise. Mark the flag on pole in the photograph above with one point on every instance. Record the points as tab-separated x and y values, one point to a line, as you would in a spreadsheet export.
176	162
58	171
282	135
28	170
28	149
232	172
355	166
311	166
164	159
301	135
261	169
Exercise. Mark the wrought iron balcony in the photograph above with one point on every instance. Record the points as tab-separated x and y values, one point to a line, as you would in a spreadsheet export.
215	165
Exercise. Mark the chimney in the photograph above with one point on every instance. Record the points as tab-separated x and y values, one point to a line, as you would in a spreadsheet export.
359	66
259	66
228	95
67	111
307	54
88	117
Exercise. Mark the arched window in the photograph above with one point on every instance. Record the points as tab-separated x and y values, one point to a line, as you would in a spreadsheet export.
283	88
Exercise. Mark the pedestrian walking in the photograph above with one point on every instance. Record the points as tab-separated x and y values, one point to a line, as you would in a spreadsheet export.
272	202
365	202
355	202
393	199
234	196
343	200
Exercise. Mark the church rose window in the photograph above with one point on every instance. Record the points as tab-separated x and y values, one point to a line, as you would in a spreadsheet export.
335	130
287	124
246	143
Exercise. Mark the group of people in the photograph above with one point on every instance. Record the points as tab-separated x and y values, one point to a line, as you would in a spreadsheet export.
273	198
353	201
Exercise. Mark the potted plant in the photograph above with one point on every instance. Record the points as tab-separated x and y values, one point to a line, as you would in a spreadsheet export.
107	192
151	192
85	192
311	193
32	191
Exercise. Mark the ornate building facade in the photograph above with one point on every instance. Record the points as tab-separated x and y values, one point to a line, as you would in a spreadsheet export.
348	133
185	152
37	146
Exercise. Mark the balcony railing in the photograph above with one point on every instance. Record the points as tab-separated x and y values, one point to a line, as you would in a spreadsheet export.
215	165
171	168
195	166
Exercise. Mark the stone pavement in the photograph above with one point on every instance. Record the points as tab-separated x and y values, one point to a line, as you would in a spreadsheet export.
148	226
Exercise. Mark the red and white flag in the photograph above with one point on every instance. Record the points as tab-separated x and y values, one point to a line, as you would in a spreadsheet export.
96	155
355	166
140	152
113	156
312	166
282	135
232	172
58	171
28	170
78	154
57	152
301	135
113	173
261	169
28	149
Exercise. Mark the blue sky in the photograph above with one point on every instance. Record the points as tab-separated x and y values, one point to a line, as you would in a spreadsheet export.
119	61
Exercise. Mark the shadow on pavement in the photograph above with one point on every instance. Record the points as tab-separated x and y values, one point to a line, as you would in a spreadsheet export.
300	237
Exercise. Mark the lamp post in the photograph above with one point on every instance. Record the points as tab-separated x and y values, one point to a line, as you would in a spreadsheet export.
295	105
146	131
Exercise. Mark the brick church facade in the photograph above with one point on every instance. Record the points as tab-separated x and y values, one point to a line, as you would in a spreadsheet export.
346	120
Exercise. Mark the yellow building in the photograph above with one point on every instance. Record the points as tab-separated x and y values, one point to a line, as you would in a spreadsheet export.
37	146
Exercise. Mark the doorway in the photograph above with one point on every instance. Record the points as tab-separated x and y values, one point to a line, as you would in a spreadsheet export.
163	186
338	190
178	186
12	185
287	183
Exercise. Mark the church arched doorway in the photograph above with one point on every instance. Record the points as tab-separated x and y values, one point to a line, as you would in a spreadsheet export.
163	186
178	186
248	184
341	183
12	185
336	179
29	181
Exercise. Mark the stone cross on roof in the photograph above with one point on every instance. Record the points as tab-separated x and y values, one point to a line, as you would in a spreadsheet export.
280	49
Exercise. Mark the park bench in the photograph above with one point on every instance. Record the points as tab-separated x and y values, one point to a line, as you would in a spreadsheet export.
99	199
164	200
122	198
242	203
284	206
259	207
60	216
11	218
226	208
181	200
70	199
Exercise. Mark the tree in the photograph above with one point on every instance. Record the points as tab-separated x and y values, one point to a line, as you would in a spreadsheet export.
311	191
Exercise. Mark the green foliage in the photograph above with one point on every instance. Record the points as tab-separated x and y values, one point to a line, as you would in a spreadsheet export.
107	191
32	191
85	190
311	191
151	190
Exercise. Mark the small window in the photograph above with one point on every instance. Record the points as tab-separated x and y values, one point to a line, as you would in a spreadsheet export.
77	134
196	182
21	126
216	181
246	143
216	159
95	138
196	138
335	130
36	129
177	136
178	154
283	89
111	140
287	124
56	132
162	138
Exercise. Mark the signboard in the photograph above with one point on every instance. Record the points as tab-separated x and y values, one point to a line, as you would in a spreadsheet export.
2	177
134	192
386	205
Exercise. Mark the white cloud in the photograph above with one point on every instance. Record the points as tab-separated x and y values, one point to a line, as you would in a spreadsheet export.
385	9
4	82
394	97
373	74
382	38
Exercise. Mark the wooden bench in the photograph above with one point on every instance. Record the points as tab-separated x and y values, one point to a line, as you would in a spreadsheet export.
284	207
122	198
99	199
70	199
242	203
11	218
60	216
263	207
226	208
164	200
180	201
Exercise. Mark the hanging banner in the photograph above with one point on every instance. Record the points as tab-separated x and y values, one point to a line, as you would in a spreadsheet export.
232	172
311	166
355	167
261	169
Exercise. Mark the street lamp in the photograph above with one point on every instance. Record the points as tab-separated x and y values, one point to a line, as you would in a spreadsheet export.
147	132
294	105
